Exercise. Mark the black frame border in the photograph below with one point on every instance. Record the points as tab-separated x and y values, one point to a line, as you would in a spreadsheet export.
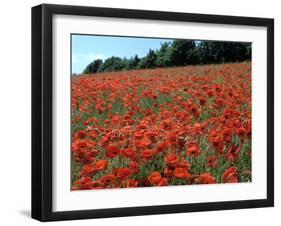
42	111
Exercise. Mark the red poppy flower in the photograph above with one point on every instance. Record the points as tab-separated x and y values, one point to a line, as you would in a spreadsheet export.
227	133
112	151
83	180
147	154
195	111
233	153
163	182
197	128
144	143
97	185
130	184
88	170
230	175
108	179
101	164
139	134
129	153
193	150
202	101
123	173
206	178
241	131
84	183
210	93
82	144
181	173
171	159
184	164
161	147
134	167
93	134
155	178
212	161
172	138
81	134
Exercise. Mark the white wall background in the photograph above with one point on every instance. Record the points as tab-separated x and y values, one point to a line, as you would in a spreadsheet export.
15	114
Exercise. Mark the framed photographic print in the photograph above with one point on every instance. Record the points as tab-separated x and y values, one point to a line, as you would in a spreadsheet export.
145	112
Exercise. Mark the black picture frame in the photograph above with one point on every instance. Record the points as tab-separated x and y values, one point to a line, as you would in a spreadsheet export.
42	83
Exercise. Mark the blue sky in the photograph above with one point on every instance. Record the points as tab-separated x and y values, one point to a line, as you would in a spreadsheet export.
86	48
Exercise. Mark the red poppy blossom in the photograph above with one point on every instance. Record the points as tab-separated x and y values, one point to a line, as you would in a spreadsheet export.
129	153
101	164
97	185
212	161
163	182
130	183
172	138
161	147
88	170
169	171
112	151
108	179
233	153
134	167
206	178
84	183
197	128
171	159
155	178
147	154
123	173
81	134
193	150
230	175
184	164
181	173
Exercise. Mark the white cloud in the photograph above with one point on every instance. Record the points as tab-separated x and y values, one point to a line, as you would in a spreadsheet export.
80	61
86	58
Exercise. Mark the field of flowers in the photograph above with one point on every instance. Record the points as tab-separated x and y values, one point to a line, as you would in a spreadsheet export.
160	127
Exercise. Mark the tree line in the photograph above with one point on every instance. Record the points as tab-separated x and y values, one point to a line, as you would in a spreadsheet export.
177	53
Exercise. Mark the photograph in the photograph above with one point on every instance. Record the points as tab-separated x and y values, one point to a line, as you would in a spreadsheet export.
149	111
144	112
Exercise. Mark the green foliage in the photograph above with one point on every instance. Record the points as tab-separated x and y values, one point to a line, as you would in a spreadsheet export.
164	55
132	62
149	61
177	53
93	67
181	52
113	64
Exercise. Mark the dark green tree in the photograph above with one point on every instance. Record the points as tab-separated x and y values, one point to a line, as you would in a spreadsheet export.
142	63
181	51
195	56
149	61
93	67
113	64
163	55
205	51
178	53
132	62
248	54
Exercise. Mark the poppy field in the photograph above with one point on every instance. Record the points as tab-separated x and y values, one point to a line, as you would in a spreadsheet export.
161	127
